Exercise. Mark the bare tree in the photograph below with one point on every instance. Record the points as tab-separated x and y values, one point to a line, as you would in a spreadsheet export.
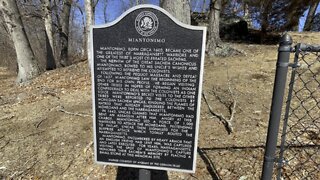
310	16
64	32
105	5
180	9
203	8
47	11
79	29
126	4
90	6
281	15
27	65
246	14
6	48
294	10
266	7
213	30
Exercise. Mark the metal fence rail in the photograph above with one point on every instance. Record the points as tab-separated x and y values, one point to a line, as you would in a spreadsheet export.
299	155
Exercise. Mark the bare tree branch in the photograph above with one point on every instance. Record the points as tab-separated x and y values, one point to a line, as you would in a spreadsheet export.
6	117
224	120
4	145
40	122
105	11
232	108
61	109
5	27
94	4
32	15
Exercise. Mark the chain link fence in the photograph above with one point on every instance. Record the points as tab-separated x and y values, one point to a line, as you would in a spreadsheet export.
299	152
298	156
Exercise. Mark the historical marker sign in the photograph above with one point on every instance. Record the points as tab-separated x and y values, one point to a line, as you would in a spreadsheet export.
147	74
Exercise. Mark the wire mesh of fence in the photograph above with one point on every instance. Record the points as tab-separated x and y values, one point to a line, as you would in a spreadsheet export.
299	156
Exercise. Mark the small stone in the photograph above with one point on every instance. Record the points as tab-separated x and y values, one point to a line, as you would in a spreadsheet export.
224	172
257	112
243	178
21	97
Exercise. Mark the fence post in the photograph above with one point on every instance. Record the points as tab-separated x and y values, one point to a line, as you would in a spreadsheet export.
276	106
144	174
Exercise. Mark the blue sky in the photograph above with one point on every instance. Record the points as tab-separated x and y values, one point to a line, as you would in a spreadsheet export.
116	7
303	18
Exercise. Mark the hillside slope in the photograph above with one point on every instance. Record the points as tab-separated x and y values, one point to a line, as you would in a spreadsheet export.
46	125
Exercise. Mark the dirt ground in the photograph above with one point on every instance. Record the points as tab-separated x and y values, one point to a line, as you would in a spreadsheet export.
46	124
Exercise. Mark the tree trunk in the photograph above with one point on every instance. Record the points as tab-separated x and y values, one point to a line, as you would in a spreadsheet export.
180	9
265	9
51	64
213	29
27	65
89	22
203	8
295	24
311	13
247	15
294	10
64	32
105	5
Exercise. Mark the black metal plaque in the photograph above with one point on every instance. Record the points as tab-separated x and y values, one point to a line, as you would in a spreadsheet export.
146	75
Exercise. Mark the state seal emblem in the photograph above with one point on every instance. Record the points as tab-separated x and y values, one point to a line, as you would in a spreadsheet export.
146	23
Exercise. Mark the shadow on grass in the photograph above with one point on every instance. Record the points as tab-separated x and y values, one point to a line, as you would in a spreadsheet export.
210	166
